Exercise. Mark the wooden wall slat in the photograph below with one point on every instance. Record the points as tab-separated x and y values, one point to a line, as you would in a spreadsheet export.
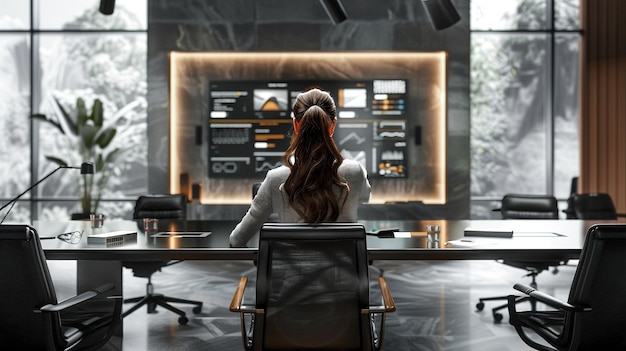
603	99
585	97
621	108
595	112
600	132
588	100
611	101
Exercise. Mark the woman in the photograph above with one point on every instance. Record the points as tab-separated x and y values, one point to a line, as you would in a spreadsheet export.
315	184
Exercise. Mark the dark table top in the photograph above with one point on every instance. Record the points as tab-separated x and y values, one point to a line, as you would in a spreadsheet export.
532	239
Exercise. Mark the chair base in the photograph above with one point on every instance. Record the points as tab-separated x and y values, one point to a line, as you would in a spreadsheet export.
153	300
497	317
532	273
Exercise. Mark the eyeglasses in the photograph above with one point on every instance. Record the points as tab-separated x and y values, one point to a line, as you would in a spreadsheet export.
71	237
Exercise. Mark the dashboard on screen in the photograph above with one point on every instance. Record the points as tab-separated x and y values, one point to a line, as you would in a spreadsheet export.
250	124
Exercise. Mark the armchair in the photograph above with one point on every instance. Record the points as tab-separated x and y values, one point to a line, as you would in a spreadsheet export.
312	291
162	207
32	318
594	315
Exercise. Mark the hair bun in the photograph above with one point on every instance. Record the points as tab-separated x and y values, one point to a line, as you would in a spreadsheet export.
316	105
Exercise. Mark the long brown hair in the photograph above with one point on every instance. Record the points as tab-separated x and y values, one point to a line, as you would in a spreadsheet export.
314	159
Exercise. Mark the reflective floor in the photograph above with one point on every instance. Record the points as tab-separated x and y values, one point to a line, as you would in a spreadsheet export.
436	304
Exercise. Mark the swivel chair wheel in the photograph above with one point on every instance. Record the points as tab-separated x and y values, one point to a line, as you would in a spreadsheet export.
497	317
197	309
151	307
480	306
182	320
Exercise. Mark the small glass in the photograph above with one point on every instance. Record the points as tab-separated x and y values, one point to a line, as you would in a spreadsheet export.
97	220
433	233
150	225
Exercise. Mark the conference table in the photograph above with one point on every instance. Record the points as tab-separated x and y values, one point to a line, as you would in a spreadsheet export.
208	240
98	262
180	240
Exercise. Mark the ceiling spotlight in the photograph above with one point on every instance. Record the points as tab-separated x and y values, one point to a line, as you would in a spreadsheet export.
335	10
442	13
107	7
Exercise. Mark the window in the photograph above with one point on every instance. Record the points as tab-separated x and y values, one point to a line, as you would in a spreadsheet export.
524	106
76	52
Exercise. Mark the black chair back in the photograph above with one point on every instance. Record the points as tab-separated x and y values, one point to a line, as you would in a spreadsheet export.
312	282
164	206
594	315
599	284
569	210
573	187
529	207
25	285
594	206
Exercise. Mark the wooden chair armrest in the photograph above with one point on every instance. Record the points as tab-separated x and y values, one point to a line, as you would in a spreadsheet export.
390	305
235	304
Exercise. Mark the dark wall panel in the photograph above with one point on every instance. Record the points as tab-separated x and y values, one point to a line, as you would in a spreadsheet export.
291	26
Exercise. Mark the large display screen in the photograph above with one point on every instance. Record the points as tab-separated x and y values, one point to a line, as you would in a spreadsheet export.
250	124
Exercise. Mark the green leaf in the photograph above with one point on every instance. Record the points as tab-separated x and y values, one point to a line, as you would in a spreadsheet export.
112	155
81	113
44	118
97	113
105	137
71	124
56	160
99	163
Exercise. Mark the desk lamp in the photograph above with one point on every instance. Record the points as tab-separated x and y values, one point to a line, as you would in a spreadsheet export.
107	7
85	168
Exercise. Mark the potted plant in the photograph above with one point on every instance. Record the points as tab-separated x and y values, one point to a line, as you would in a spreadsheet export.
92	138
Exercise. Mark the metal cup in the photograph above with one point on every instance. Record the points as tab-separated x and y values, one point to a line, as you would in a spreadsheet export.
97	220
151	225
433	233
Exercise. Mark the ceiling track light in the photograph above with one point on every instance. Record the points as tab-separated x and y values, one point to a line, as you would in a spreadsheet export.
107	7
335	10
442	13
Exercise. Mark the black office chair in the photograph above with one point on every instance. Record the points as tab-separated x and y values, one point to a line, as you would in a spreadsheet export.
515	206
32	318
594	315
161	207
569	210
312	291
593	206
